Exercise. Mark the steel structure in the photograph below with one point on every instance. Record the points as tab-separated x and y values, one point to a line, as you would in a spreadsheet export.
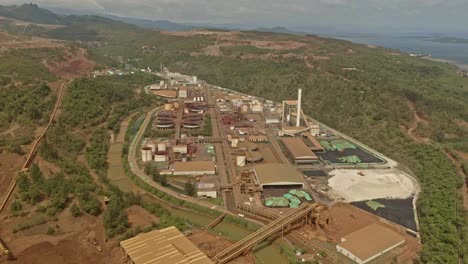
306	213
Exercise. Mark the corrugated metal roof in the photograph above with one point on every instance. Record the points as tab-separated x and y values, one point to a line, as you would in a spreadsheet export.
163	246
195	166
370	240
298	148
273	173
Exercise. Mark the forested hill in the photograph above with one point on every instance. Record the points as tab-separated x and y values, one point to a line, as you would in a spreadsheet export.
31	13
373	94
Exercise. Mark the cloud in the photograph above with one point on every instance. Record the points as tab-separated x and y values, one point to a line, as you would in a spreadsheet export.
329	13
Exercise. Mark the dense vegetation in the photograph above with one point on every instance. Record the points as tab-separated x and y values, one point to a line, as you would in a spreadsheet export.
25	98
96	152
24	66
91	102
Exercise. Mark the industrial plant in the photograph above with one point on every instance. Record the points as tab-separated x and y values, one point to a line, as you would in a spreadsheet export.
270	162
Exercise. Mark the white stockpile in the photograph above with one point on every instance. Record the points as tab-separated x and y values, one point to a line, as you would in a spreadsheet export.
362	185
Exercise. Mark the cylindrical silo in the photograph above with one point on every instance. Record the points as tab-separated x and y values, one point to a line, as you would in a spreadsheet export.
241	161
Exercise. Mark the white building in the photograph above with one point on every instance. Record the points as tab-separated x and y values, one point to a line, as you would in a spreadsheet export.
207	190
180	149
183	92
257	108
314	129
272	120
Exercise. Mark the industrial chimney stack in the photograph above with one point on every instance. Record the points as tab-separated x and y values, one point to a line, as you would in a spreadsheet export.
299	98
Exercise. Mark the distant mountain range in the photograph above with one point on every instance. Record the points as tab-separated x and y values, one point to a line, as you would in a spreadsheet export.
31	13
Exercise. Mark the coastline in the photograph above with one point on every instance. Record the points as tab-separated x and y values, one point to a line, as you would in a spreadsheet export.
461	66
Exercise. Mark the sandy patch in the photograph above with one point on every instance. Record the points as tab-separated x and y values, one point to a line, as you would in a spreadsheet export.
361	185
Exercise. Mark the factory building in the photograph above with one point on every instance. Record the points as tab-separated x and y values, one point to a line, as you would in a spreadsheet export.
257	108
257	138
276	175
313	143
299	151
368	243
183	92
192	168
182	149
166	93
270	119
166	245
314	129
207	187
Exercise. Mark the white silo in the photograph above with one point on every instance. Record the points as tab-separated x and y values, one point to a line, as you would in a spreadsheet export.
241	161
152	146
161	147
146	154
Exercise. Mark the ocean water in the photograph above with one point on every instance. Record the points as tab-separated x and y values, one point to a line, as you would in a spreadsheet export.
457	52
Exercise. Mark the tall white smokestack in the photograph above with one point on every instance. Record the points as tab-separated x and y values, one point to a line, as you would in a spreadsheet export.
299	98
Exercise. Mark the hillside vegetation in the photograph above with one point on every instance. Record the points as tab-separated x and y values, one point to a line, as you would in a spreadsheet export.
31	13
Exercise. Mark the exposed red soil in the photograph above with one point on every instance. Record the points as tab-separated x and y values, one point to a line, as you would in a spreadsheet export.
347	219
138	216
417	119
72	65
211	245
77	240
278	45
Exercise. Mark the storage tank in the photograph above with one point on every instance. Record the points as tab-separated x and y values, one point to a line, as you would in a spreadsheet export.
241	161
152	146
234	142
146	154
244	108
161	147
202	99
194	79
168	107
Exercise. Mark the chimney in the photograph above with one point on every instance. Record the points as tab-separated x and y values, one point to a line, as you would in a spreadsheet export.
299	98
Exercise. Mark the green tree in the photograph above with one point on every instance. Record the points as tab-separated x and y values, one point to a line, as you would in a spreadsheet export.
75	210
115	218
50	231
190	188
16	206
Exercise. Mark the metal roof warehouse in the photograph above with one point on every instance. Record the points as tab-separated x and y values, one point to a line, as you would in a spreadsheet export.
299	150
192	167
369	243
165	246
276	174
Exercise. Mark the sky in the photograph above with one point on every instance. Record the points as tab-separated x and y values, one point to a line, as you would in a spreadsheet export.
346	15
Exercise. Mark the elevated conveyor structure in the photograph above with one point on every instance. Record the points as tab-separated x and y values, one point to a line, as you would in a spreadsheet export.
306	212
